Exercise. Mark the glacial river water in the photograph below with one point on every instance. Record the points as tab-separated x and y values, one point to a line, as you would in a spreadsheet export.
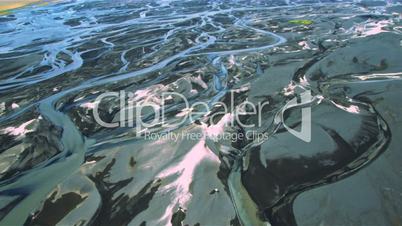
59	166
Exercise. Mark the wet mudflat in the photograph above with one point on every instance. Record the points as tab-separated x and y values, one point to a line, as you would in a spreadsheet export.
59	166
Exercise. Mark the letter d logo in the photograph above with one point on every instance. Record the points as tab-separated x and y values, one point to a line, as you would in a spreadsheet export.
305	133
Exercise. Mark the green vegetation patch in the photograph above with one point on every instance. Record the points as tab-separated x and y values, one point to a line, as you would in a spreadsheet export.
302	22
